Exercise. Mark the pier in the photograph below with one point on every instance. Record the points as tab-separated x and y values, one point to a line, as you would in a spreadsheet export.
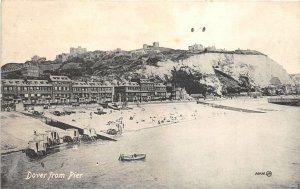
65	126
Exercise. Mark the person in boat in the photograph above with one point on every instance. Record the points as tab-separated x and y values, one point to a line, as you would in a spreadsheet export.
121	156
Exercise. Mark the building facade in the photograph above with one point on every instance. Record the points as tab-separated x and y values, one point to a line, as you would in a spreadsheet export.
128	91
147	90
101	92
160	91
62	89
26	91
142	90
81	92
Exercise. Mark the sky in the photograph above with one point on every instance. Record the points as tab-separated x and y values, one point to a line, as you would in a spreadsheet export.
47	28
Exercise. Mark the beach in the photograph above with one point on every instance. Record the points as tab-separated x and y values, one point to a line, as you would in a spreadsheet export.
208	148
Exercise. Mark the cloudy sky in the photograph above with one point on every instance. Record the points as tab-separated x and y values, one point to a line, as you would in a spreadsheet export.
47	28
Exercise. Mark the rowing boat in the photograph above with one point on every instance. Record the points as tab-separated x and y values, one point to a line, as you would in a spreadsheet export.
133	157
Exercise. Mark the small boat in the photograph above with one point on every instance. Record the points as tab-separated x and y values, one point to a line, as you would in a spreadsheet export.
133	157
100	113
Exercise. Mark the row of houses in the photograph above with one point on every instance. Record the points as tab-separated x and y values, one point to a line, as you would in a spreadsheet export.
63	90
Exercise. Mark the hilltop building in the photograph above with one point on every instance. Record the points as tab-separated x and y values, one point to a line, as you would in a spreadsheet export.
199	47
62	57
38	59
210	48
196	47
77	51
155	45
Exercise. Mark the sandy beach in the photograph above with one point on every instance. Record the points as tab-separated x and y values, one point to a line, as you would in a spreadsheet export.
139	117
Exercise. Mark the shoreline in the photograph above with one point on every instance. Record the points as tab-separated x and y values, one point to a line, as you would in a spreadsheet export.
115	113
145	117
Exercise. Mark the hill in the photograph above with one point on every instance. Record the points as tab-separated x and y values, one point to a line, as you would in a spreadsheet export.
219	71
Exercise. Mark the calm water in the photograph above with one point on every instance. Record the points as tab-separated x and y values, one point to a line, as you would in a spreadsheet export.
222	151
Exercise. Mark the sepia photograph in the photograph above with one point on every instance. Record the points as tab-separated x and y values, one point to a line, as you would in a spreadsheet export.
129	94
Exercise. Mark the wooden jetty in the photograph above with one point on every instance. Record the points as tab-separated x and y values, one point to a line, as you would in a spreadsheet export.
290	101
105	136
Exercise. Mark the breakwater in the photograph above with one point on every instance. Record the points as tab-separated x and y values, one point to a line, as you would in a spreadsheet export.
291	101
229	107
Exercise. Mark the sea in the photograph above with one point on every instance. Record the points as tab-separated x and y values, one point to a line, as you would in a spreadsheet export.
228	149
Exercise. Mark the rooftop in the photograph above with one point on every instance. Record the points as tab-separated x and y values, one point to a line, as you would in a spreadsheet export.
59	78
129	84
21	82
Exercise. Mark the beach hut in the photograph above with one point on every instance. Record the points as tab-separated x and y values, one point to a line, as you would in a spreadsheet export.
36	148
86	131
93	132
41	137
53	138
73	134
89	134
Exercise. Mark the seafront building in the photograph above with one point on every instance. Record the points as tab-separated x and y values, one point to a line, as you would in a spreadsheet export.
101	92
26	91
140	90
63	90
127	91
